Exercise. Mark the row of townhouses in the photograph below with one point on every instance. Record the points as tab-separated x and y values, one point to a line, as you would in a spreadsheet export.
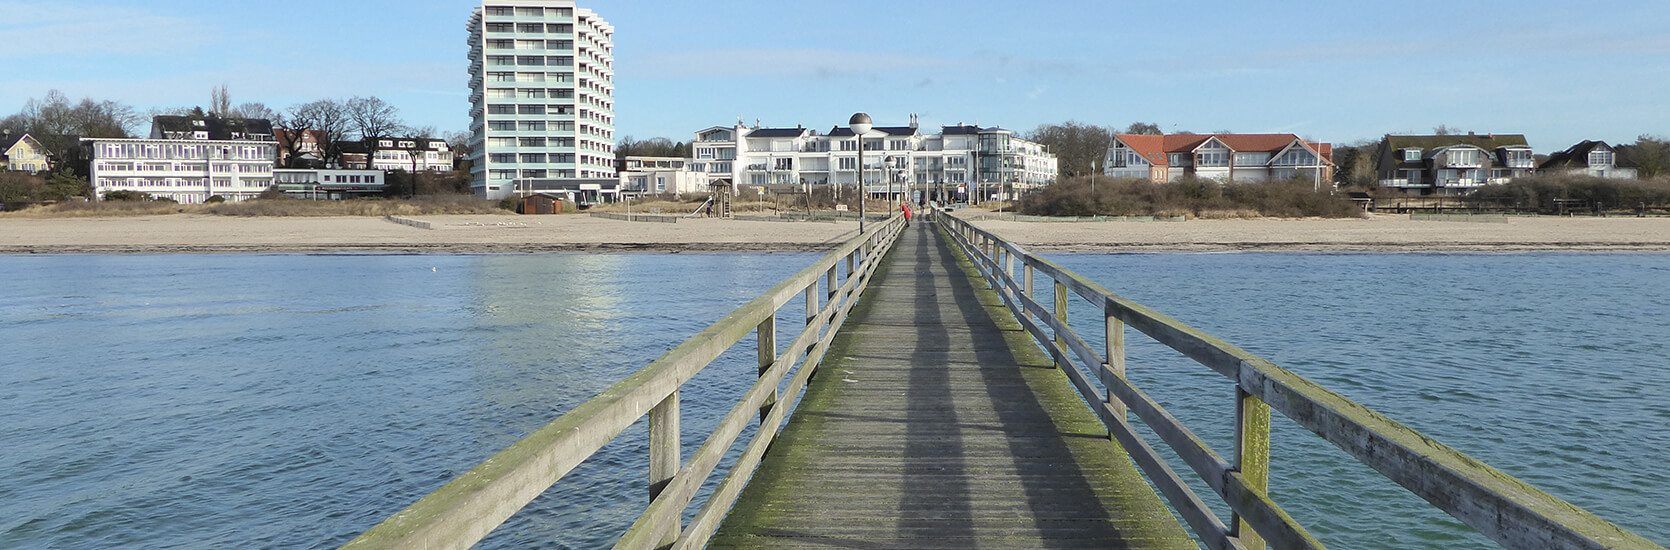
1416	165
190	158
989	162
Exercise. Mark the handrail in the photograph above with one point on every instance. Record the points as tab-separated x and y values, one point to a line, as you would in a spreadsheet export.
466	509
1499	506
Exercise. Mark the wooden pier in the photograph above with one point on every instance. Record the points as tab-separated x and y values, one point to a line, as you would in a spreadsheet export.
933	400
937	423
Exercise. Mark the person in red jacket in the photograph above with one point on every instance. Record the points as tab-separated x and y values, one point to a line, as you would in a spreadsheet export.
906	207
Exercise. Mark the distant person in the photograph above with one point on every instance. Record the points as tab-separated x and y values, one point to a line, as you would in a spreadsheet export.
906	206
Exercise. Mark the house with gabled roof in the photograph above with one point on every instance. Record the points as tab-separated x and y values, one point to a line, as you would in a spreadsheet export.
1590	158
1451	164
1225	157
22	153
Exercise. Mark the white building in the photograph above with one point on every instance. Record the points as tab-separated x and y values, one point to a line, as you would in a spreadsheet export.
661	175
1589	158
957	161
187	171
541	96
329	183
410	154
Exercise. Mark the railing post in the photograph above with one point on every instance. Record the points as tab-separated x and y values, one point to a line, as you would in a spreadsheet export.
1115	354
664	455
1060	317
1252	455
1026	273
812	297
766	335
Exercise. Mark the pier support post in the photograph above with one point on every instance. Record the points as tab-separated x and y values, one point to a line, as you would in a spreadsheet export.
1252	456
1115	357
766	334
1061	317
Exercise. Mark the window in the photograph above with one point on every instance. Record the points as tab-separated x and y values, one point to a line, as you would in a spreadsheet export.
531	126
849	163
494	109
530	12
562	77
530	44
559	28
501	157
498	142
564	125
1179	159
535	28
1600	159
1251	159
530	60
559	44
532	158
501	77
562	158
501	44
500	93
501	174
1212	158
784	164
501	125
499	27
530	142
530	109
530	77
1521	158
531	93
1463	157
501	11
1296	157
536	174
562	61
849	145
1411	155
563	142
899	145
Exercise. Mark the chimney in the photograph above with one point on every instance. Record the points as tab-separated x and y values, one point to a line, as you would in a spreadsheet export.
913	122
1470	133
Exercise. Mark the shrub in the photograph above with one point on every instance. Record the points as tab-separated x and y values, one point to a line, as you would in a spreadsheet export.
1196	197
1539	192
126	196
214	199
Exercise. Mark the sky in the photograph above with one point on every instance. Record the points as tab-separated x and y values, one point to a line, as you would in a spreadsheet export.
1558	72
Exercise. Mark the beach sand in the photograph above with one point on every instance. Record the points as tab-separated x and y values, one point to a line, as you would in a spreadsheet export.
1379	233
189	233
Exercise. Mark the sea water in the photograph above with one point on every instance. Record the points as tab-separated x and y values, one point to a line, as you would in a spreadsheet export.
295	401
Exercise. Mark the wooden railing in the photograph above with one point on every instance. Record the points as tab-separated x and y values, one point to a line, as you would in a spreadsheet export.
1510	511
470	506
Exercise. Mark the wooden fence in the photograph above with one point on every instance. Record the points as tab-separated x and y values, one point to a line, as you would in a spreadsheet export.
1499	506
470	506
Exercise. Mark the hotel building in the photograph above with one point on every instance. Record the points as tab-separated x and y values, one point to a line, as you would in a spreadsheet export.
541	97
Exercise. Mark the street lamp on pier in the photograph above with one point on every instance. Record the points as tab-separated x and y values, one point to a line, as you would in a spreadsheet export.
860	125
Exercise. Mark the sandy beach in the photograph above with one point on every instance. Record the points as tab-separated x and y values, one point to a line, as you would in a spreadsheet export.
188	233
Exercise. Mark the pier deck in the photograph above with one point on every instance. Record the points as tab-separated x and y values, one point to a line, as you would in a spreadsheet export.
936	422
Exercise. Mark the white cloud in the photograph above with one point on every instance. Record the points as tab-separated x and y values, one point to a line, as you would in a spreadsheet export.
41	28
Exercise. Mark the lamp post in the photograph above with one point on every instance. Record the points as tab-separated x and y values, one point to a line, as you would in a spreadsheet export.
860	124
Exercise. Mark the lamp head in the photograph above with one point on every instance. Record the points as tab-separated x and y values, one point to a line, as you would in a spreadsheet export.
859	123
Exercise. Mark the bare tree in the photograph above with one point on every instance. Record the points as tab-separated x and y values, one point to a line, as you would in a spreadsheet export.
1143	129
373	119
255	110
459	142
58	124
326	116
1080	148
220	101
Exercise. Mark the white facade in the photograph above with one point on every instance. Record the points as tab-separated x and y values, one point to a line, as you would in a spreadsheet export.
187	171
329	183
661	175
541	95
412	155
990	160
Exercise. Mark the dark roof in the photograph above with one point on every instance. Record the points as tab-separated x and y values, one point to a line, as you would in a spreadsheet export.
843	131
7	140
352	147
1488	141
1578	156
776	132
183	126
960	129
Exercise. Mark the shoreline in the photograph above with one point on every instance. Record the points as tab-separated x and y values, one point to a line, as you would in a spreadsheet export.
510	234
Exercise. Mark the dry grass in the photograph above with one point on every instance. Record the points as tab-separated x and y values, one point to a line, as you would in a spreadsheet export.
1189	197
435	205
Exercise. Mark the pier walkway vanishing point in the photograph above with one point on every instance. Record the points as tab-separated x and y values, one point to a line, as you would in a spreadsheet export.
950	411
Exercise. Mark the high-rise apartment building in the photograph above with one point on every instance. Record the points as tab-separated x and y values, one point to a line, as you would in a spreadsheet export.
541	97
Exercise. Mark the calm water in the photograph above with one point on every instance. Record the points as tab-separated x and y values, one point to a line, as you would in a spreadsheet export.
294	401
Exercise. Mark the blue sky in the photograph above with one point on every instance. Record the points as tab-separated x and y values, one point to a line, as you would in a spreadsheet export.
1558	72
